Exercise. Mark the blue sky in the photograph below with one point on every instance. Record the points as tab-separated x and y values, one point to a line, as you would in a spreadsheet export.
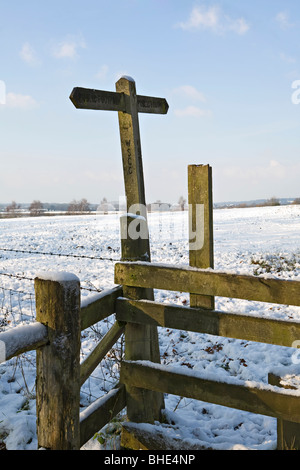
226	69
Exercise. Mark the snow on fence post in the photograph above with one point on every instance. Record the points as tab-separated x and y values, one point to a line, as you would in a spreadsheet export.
201	242
58	363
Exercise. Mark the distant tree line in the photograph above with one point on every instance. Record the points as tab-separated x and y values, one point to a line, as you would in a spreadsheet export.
79	207
36	208
82	206
273	201
12	208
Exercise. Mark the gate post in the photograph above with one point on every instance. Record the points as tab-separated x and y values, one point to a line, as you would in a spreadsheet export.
141	341
288	433
201	242
58	362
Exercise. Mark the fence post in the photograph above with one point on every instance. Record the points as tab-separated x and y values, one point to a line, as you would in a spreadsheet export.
141	341
288	433
201	242
58	363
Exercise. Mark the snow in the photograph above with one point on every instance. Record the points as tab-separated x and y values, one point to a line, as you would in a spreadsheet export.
57	276
130	79
19	337
97	404
87	301
262	241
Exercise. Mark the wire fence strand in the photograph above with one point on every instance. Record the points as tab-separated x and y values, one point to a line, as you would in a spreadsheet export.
19	305
69	255
16	307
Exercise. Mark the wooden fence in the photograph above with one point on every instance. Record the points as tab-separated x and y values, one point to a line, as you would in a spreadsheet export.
60	318
265	400
56	338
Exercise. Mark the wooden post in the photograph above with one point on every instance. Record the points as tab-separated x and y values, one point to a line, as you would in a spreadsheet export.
141	341
201	244
288	433
58	363
131	148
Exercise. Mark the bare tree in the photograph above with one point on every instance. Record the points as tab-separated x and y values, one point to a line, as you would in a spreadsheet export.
72	207
181	202
103	206
76	207
274	201
12	208
36	208
84	205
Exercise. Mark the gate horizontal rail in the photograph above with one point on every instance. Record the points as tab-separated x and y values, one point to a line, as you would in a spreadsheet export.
247	397
50	332
207	282
267	399
211	322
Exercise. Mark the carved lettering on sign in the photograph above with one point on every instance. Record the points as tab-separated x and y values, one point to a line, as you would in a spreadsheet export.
129	157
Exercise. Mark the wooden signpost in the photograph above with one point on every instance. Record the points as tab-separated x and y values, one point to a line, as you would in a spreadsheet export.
128	104
141	340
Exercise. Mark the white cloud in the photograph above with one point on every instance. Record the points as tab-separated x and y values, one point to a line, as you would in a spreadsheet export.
2	92
104	176
192	111
255	174
190	92
102	72
200	18
28	54
239	26
283	20
15	100
68	48
288	59
213	19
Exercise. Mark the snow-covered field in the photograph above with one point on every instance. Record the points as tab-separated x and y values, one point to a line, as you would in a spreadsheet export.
263	240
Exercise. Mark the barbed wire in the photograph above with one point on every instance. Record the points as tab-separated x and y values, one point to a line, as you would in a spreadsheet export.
26	278
17	276
14	303
19	305
2	288
101	258
44	253
15	306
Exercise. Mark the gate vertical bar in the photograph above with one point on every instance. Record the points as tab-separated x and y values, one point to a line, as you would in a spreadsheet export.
201	242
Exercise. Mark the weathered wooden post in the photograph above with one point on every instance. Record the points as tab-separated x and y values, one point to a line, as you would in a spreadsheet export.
288	433
58	363
201	242
141	342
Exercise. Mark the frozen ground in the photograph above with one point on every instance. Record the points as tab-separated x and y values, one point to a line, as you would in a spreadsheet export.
257	241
